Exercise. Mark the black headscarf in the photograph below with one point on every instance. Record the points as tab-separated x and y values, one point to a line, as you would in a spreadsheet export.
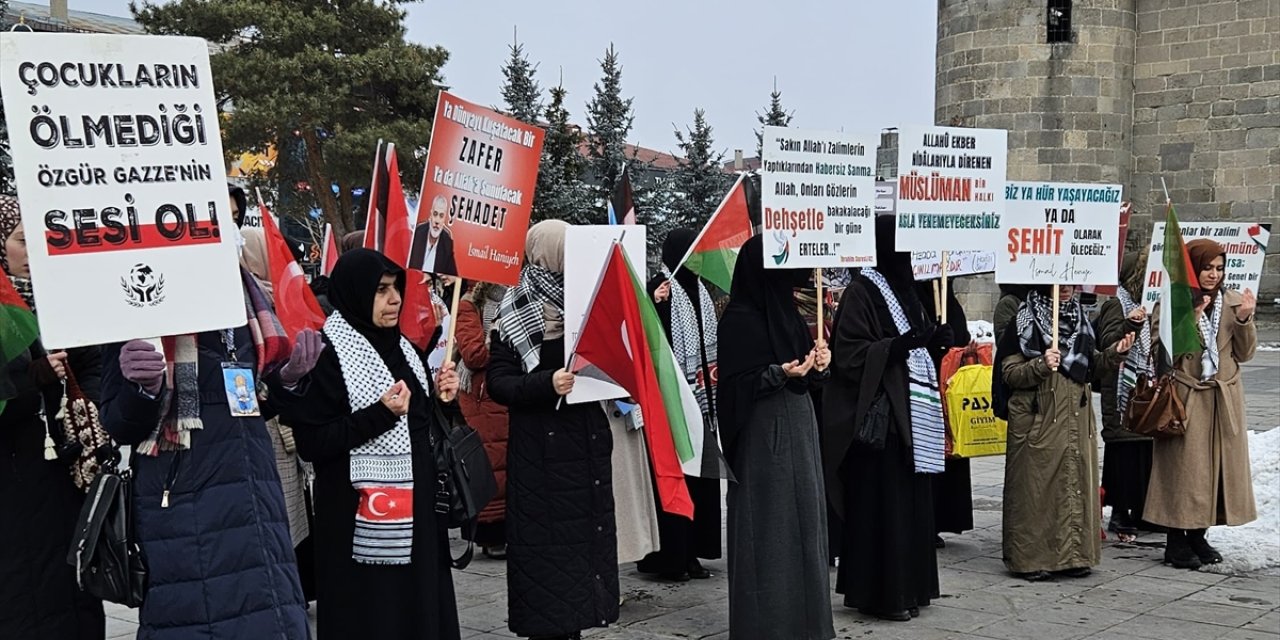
894	265
242	201
673	249
760	328
353	285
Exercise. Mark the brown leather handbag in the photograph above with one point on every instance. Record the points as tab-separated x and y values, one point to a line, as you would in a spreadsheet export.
1155	410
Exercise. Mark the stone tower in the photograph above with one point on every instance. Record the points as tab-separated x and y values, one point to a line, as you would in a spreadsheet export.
1128	92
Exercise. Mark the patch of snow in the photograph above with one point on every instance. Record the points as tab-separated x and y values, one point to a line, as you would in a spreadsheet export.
1269	346
1255	545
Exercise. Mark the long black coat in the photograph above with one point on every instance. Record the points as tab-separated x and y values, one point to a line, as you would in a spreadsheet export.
359	600
39	505
562	547
221	562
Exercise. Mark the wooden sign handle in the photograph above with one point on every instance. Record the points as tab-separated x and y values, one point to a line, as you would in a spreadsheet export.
942	306
1057	306
453	325
817	278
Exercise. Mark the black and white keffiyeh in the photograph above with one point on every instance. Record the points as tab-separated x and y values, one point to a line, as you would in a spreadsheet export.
382	467
1138	361
928	432
1075	335
1209	323
522	320
687	342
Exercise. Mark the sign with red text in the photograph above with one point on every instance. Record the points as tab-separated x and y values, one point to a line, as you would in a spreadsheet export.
1245	242
951	184
1060	233
119	168
477	193
927	265
817	192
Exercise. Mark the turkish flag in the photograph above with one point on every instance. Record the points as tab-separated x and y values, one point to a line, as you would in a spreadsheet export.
296	304
329	252
385	504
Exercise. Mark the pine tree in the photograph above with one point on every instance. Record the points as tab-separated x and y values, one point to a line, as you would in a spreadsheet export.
699	181
776	116
520	90
561	192
609	120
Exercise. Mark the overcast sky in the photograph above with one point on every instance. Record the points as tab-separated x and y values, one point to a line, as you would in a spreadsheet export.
856	65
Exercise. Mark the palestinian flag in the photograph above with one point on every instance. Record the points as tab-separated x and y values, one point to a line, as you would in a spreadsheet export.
1179	289
619	343
388	229
18	329
295	303
622	206
715	252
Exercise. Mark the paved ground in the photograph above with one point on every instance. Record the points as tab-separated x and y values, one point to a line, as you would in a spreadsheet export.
1131	595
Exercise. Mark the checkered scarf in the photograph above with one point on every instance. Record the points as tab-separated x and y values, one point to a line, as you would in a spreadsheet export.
1138	361
522	316
928	432
1075	335
685	339
180	403
1209	333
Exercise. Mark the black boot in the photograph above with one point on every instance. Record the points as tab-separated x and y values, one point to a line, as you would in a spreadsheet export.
1200	546
1178	553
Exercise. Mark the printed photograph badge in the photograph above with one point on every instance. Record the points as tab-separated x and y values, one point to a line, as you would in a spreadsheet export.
237	379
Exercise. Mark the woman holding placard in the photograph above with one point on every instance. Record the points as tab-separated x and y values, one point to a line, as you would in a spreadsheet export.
883	484
1051	511
779	584
1202	478
562	549
39	501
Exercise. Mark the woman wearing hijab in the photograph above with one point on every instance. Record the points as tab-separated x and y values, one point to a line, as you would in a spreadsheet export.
562	549
779	586
1051	511
39	500
205	484
1202	479
253	257
1126	464
883	343
364	418
476	313
689	318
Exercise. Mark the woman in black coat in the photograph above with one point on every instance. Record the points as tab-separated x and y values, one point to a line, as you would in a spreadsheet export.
382	571
562	548
685	307
39	503
207	504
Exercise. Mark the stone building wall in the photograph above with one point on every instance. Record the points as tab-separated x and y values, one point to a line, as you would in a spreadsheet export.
1182	89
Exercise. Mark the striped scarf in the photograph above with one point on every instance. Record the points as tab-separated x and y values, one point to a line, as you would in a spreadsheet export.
381	469
1075	335
522	320
687	341
1138	361
180	404
928	432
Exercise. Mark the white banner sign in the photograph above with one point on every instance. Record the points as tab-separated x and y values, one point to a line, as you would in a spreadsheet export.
586	248
119	169
927	265
1060	233
818	198
951	185
1246	244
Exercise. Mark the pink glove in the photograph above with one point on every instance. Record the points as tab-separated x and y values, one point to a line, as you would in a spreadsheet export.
306	352
142	364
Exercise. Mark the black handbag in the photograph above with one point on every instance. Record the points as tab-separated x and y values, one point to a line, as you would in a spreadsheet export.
106	556
874	428
464	478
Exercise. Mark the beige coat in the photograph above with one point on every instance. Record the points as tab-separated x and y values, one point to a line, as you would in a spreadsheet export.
633	501
1190	473
1052	514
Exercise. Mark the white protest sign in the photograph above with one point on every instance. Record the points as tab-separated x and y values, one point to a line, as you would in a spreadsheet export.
927	265
1245	242
818	198
950	188
119	169
586	249
1060	233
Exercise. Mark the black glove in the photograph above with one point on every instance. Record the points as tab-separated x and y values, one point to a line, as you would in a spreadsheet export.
943	338
901	345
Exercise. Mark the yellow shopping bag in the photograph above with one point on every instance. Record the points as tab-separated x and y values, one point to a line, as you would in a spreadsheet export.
975	431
